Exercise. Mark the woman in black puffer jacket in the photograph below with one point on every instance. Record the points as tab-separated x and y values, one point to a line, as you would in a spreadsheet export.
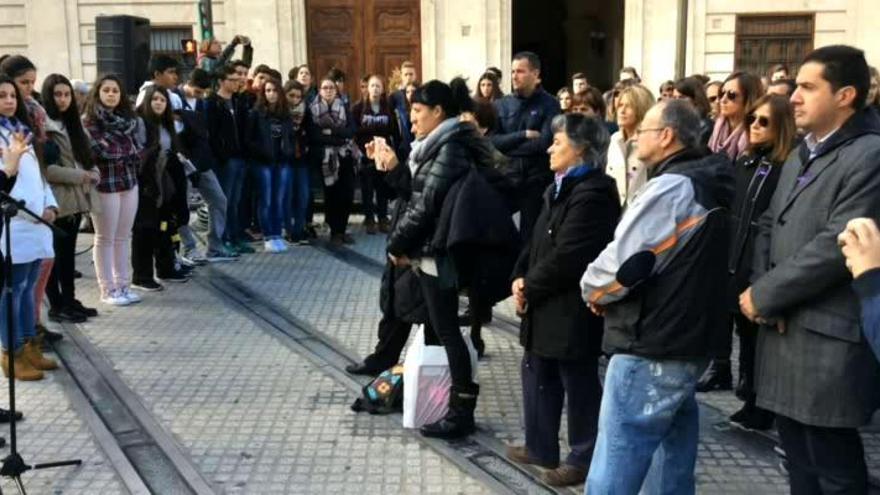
444	151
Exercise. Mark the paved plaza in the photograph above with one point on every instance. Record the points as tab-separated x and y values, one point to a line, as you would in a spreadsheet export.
235	375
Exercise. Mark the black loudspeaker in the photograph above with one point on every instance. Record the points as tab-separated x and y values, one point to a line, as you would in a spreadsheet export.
123	48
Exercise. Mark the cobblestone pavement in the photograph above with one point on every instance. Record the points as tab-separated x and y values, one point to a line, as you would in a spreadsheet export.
341	301
257	415
719	465
53	431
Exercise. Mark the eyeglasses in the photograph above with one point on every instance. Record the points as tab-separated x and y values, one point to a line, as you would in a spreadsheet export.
761	120
729	95
639	131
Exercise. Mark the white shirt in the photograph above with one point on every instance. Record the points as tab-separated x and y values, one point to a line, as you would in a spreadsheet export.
813	144
31	241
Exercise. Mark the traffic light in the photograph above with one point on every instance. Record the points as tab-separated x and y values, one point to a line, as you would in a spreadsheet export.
189	47
206	19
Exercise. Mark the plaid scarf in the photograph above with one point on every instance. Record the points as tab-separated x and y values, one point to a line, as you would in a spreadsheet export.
333	116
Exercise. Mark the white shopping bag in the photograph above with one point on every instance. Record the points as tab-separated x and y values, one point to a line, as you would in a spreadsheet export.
426	380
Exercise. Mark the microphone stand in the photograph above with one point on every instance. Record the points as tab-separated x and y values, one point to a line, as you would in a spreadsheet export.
13	465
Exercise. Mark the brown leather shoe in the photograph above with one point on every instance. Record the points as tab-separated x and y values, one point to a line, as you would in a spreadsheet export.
24	371
565	475
520	455
34	354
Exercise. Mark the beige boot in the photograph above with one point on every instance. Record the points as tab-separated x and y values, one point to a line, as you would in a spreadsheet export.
23	369
35	356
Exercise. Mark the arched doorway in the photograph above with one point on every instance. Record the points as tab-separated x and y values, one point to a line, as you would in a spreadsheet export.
571	36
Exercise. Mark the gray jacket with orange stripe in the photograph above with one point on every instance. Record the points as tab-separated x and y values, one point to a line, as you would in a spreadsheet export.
662	279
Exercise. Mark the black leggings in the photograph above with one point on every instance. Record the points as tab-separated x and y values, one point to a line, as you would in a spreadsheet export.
61	284
339	197
442	305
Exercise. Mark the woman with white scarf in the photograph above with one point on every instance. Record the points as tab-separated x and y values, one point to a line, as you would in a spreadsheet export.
331	132
31	241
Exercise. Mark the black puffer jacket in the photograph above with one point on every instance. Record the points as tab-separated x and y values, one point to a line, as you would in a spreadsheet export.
444	157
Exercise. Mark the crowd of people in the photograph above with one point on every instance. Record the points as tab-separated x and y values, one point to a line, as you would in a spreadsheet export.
650	229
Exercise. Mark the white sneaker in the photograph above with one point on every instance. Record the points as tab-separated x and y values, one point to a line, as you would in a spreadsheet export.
114	298
193	258
280	245
132	297
269	246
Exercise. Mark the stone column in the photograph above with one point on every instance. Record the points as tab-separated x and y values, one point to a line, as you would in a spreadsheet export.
463	37
49	45
650	36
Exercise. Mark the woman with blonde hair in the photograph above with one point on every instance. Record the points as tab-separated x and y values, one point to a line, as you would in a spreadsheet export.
623	165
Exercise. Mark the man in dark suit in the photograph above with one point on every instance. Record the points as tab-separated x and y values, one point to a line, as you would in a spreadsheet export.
813	366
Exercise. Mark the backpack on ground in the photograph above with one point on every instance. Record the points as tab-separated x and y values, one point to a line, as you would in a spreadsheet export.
383	395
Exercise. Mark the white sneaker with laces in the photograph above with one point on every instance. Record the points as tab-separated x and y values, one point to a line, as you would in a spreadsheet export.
132	297
269	246
193	258
114	298
280	245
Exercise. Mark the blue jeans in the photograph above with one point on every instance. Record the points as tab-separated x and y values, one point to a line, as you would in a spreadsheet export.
273	181
297	204
24	277
232	180
647	404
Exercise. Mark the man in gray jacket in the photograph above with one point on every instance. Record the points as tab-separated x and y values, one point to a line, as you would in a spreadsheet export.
813	366
657	285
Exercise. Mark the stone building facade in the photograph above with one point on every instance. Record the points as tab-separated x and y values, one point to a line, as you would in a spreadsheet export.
661	38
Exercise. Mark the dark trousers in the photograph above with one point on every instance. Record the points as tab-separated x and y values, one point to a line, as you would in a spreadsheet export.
61	287
532	200
374	197
393	335
442	305
248	207
748	341
338	198
823	461
152	240
546	384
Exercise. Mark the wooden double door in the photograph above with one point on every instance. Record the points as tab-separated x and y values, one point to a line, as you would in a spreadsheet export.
362	37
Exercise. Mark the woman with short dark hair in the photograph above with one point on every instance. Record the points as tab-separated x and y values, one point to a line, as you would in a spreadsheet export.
560	336
445	151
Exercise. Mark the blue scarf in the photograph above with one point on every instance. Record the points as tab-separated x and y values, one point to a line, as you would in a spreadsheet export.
13	125
573	172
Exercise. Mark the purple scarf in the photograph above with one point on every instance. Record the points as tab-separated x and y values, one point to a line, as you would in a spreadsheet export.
733	142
